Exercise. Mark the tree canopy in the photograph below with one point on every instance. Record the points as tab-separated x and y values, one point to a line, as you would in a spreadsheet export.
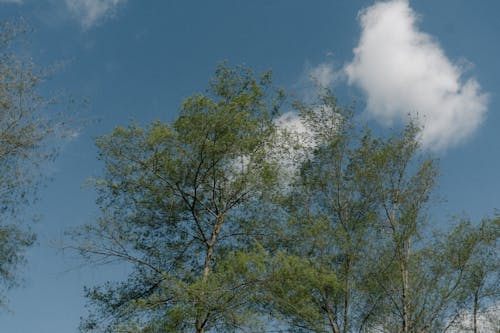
225	227
24	130
173	200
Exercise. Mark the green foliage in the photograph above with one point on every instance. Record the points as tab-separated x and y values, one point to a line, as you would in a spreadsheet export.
474	252
223	236
174	199
330	212
24	130
297	291
357	202
406	178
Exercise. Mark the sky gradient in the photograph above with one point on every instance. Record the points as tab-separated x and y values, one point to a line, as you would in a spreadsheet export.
132	59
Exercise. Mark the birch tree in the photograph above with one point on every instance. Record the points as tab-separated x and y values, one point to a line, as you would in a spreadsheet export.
173	200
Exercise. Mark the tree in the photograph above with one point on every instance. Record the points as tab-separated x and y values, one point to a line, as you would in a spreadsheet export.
479	291
173	202
24	130
405	187
354	217
214	242
425	278
330	214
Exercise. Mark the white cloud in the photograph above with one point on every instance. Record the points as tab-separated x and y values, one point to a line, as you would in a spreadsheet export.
316	78
323	74
404	71
292	145
91	12
19	2
291	123
295	139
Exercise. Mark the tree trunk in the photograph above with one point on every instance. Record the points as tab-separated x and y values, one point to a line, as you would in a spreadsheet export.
202	315
476	306
347	294
331	319
403	254
404	261
405	301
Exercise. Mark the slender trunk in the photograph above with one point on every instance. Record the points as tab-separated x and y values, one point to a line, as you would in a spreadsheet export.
404	288
347	293
476	306
331	319
207	267
202	314
405	301
403	254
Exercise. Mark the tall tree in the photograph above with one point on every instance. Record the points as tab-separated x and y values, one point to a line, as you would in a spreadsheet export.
330	214
406	181
173	202
422	277
24	128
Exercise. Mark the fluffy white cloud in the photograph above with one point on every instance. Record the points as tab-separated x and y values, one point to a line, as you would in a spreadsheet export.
404	71
90	12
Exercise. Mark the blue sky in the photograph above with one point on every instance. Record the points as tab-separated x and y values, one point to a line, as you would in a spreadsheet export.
139	59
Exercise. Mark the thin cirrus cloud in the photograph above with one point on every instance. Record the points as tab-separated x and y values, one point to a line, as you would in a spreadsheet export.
91	12
404	71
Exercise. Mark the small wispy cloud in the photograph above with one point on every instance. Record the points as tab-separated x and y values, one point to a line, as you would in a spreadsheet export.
404	71
91	12
323	74
317	77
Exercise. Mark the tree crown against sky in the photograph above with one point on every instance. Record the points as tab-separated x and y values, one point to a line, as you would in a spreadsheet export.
173	199
25	127
216	241
137	59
